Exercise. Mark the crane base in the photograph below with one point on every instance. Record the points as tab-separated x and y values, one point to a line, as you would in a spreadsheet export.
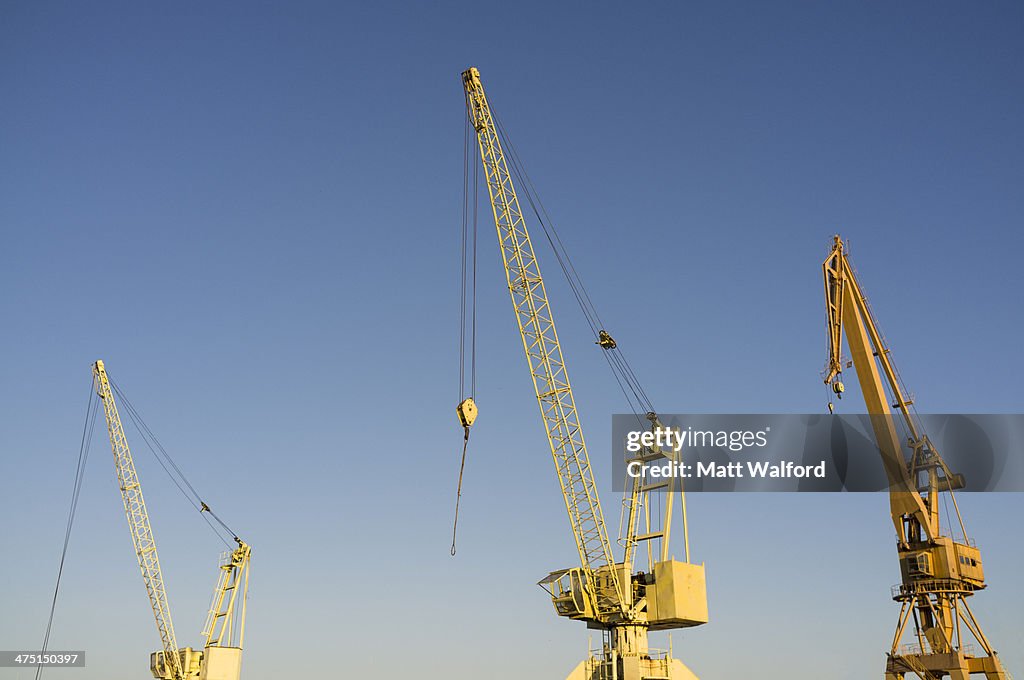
631	668
213	663
954	665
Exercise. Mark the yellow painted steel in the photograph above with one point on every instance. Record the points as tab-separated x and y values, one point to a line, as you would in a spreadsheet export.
221	656
467	413
138	522
602	592
544	356
938	573
220	628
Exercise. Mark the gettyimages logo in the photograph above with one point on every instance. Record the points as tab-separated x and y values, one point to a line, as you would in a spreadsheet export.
675	438
813	452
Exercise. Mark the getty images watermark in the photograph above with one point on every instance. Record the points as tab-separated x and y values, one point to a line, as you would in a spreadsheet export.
773	452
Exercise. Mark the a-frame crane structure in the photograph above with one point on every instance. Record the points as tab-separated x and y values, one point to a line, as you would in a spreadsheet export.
602	591
938	572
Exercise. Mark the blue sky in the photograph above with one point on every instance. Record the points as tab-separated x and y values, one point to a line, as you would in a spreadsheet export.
252	214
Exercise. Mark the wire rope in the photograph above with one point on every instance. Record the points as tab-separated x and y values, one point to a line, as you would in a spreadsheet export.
83	456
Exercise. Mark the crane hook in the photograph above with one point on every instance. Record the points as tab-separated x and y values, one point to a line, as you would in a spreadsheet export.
467	416
837	385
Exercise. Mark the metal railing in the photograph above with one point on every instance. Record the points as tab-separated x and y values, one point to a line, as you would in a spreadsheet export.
904	591
913	649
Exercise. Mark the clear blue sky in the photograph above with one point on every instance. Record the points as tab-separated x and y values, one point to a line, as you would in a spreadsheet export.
251	213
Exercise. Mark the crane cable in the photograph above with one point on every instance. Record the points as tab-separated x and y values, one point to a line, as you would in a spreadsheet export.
88	429
467	312
621	370
83	455
894	397
177	476
623	373
458	492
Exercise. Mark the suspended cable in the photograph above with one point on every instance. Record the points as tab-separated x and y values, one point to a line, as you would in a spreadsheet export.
177	476
458	496
635	408
627	379
465	228
910	425
575	283
92	407
476	213
467	314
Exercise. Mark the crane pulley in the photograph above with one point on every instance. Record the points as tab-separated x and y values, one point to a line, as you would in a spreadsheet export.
138	524
467	416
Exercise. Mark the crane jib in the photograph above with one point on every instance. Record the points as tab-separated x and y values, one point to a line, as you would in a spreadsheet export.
939	572
138	521
542	349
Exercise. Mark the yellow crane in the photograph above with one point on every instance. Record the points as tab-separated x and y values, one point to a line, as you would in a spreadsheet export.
603	592
938	572
221	658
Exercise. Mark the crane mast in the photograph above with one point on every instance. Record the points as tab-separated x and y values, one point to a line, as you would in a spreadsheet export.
938	572
602	592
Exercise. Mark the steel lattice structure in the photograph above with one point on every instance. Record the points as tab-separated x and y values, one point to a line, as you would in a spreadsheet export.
138	520
543	351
